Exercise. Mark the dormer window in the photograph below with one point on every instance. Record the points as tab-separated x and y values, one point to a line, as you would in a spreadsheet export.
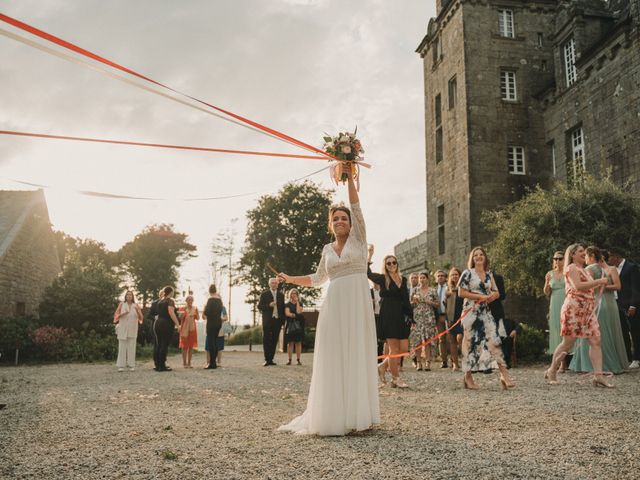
505	23
569	55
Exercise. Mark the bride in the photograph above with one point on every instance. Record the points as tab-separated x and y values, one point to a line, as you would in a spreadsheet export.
344	393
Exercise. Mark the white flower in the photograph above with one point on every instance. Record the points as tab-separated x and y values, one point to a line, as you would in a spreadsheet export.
346	149
344	139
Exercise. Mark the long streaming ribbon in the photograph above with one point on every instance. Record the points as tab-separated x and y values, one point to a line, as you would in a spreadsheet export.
159	145
428	341
86	53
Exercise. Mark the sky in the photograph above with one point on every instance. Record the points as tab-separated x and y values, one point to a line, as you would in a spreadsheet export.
303	67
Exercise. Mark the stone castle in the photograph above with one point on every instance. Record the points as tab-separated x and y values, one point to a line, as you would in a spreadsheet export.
519	93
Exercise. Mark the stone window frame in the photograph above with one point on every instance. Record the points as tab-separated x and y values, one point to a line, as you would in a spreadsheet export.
436	52
554	160
441	229
576	145
439	145
508	94
516	160
506	23
569	62
539	39
452	88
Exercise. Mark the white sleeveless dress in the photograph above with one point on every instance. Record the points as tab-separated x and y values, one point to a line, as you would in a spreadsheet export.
343	396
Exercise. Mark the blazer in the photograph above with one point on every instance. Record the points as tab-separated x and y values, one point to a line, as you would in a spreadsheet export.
629	293
496	308
266	298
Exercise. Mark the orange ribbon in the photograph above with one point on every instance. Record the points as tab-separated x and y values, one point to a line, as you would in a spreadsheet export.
428	341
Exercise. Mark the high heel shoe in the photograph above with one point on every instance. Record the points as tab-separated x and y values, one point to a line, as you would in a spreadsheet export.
505	384
469	386
397	382
551	379
601	382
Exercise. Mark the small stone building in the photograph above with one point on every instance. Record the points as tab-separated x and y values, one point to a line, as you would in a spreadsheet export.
28	255
520	93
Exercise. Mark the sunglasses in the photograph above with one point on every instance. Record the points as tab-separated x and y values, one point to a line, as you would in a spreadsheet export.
558	258
392	262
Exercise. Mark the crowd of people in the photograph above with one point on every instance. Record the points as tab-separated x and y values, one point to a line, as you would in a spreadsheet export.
165	318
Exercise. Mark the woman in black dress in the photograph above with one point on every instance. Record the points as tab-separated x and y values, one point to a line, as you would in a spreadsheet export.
294	327
395	309
163	329
212	314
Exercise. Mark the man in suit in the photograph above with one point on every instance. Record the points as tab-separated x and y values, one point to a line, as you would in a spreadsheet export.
271	305
441	314
628	300
496	308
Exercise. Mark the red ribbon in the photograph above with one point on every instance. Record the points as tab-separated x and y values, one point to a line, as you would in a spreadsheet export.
70	46
159	145
428	341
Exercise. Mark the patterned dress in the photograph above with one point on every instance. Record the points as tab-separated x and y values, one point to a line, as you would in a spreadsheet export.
481	343
424	316
578	314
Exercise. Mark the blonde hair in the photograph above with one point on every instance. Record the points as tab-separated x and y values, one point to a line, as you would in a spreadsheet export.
472	264
291	292
453	269
387	277
569	252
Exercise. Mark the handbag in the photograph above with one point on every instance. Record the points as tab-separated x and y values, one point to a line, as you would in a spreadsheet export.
294	327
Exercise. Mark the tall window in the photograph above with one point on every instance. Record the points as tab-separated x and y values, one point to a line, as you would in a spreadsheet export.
540	39
569	51
515	160
453	92
441	244
436	49
505	23
554	168
438	117
21	309
578	163
508	88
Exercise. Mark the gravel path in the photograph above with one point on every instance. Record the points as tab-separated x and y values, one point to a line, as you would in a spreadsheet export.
89	421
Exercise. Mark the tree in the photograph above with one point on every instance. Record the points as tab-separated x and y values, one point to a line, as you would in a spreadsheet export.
83	298
287	231
153	257
527	232
78	250
223	249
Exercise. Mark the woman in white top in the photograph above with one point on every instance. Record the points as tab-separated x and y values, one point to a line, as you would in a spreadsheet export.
343	396
127	318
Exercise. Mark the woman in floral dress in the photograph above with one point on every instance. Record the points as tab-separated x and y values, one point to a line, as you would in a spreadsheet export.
424	300
481	343
578	315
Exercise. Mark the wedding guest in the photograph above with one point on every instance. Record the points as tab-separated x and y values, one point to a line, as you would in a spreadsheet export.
413	285
497	310
152	314
163	327
212	314
188	334
454	311
423	300
578	316
271	305
512	330
628	301
441	314
481	343
224	325
394	307
294	326
614	354
127	318
554	288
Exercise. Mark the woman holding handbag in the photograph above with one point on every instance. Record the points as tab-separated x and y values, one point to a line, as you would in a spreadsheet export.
294	327
188	334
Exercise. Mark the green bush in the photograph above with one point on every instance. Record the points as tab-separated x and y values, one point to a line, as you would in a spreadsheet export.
246	336
531	344
91	347
15	336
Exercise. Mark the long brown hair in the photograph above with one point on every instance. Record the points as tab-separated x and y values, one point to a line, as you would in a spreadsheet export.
453	269
334	209
472	264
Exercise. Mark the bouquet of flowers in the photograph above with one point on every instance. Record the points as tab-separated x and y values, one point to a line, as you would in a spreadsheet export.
346	147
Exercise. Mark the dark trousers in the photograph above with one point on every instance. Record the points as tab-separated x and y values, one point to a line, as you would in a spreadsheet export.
634	329
270	333
624	323
507	349
212	344
163	332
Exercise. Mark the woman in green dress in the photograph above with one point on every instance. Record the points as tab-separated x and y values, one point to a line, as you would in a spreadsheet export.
554	287
614	356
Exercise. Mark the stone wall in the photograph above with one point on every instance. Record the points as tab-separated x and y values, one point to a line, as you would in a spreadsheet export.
412	254
29	265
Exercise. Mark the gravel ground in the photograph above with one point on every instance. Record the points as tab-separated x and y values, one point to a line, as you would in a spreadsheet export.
89	421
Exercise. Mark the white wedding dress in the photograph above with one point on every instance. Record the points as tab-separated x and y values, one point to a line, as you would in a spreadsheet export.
343	396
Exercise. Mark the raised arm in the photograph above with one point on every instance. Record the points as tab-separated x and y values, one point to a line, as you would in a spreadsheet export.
313	280
578	284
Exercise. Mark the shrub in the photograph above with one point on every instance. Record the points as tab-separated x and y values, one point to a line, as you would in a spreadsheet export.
531	344
91	347
15	336
50	342
246	336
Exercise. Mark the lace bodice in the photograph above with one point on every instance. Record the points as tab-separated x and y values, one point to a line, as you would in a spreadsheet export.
354	254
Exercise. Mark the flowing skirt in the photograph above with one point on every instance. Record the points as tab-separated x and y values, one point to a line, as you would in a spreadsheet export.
343	395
